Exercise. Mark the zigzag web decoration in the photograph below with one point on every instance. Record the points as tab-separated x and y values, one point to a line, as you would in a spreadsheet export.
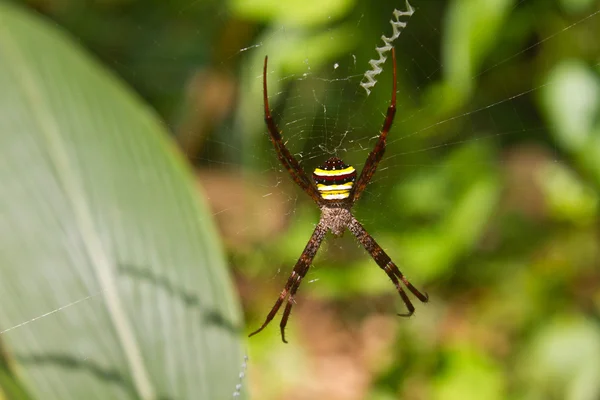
397	26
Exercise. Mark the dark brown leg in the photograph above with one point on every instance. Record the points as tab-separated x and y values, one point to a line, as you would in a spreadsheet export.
385	263
293	282
377	153
285	157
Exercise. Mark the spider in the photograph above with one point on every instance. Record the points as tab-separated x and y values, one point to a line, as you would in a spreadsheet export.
335	192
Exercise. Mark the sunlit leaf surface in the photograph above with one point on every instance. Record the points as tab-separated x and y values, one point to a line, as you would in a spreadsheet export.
113	285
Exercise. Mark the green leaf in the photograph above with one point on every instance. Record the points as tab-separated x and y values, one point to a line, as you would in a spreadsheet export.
563	360
113	283
469	373
472	28
571	98
293	12
567	196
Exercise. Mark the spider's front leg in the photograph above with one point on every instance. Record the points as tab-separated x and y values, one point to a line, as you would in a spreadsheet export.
293	282
377	153
285	157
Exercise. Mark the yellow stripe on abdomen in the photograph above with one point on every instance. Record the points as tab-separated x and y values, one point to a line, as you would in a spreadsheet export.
335	192
335	172
335	195
324	188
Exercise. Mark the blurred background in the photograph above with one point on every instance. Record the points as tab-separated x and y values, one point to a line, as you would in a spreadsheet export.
487	198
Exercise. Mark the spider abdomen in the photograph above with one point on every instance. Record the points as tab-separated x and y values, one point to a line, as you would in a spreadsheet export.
334	179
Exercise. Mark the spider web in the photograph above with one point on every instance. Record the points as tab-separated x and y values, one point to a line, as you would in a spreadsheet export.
322	110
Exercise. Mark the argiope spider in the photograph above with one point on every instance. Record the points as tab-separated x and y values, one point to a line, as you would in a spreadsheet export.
335	194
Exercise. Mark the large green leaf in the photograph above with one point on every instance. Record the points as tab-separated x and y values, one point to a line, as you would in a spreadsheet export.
112	281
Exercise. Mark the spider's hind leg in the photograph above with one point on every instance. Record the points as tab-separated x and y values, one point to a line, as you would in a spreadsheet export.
385	263
293	282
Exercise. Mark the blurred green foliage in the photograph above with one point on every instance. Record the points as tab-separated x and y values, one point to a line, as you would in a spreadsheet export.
487	196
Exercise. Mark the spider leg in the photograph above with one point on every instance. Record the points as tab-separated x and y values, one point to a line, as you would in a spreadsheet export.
288	309
377	153
293	282
285	157
385	263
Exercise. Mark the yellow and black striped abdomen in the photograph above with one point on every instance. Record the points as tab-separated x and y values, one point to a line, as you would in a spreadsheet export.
334	179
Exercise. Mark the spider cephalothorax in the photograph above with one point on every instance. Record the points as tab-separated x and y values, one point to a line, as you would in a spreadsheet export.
335	190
